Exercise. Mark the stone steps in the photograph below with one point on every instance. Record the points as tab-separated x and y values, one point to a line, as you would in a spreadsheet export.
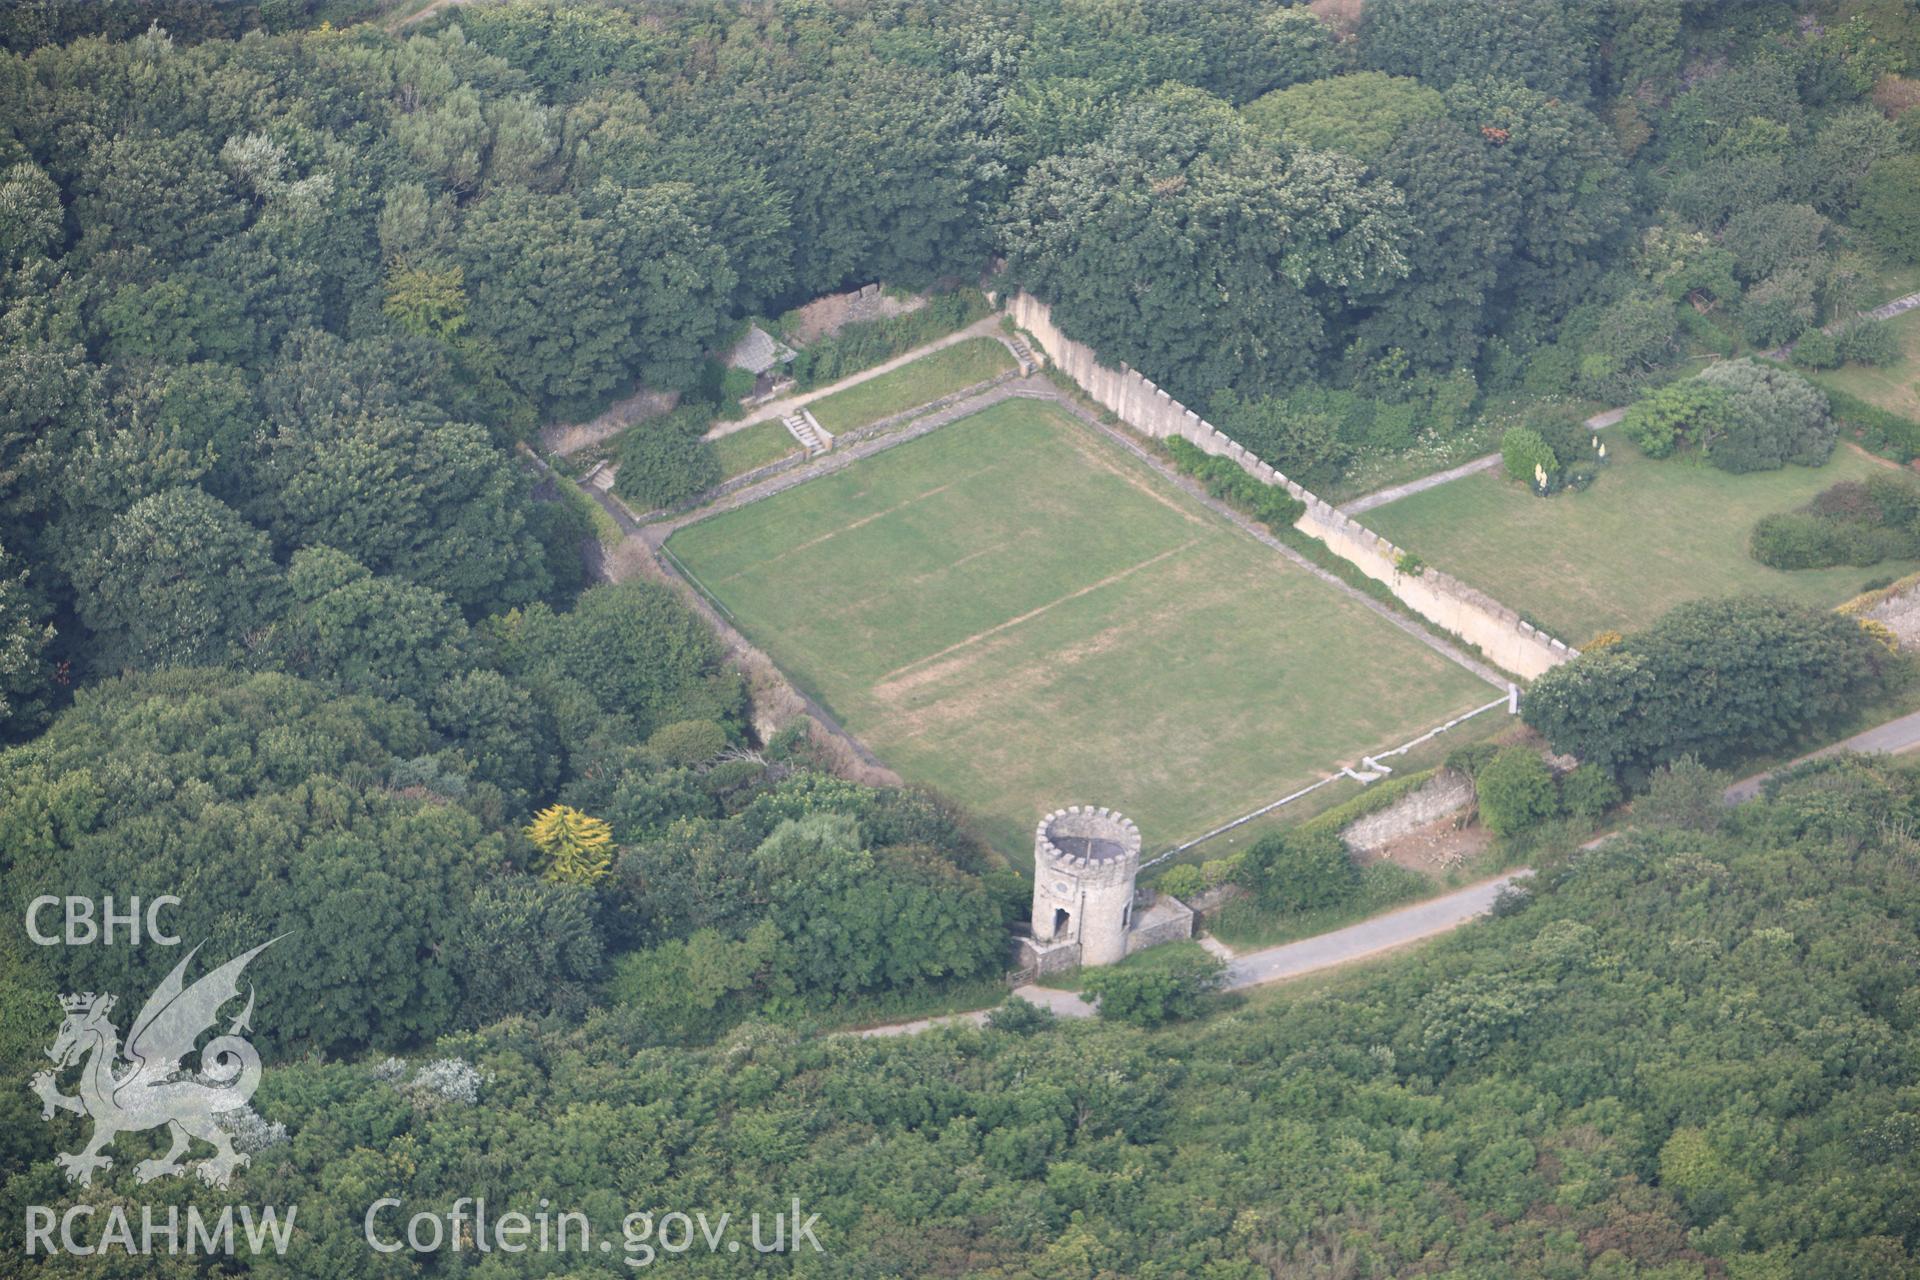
1024	354
806	429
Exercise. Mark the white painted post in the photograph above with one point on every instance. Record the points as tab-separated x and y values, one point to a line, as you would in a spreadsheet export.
1513	698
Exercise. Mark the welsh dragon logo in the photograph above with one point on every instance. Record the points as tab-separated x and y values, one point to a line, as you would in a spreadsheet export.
150	1089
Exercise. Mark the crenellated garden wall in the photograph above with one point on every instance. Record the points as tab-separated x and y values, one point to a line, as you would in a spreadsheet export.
1506	639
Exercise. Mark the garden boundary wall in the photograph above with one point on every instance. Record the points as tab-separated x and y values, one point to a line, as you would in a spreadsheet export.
1502	635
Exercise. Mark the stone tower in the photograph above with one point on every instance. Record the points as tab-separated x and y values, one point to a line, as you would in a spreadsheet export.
1084	862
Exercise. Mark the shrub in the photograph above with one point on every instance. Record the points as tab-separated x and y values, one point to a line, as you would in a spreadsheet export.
736	384
1778	308
1183	881
1798	540
1300	439
1020	1017
1888	434
1568	436
687	742
1847	523
1300	870
1773	417
1227	480
1871	342
1817	349
865	343
1149	996
1895	498
1588	792
1393	427
1516	792
1580	475
1472	758
1847	500
1528	459
1682	413
665	460
1685	795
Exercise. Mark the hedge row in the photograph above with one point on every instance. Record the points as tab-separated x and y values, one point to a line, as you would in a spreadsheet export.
865	343
1227	480
1887	434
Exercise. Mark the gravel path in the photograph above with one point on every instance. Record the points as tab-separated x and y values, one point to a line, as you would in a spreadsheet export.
1487	462
1369	937
985	327
1383	932
1891	738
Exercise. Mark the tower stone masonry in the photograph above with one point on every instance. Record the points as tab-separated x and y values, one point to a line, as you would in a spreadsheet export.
1084	863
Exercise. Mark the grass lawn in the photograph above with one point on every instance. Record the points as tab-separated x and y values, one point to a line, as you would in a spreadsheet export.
946	371
753	447
1895	388
1015	611
1647	536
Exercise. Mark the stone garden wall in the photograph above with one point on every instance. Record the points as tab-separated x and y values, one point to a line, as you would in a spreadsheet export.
1445	793
1500	634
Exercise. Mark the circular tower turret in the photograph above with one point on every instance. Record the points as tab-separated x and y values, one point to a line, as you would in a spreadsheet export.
1084	863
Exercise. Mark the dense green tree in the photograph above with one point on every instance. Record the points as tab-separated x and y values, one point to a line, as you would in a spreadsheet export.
678	278
1691	412
1747	113
549	292
427	298
855	920
1462	212
250	799
881	165
1647	45
563	47
163	193
1248	49
178	579
206	408
436	505
379	635
636	649
1178	245
1360	114
1721	680
1622	343
501	730
25	675
527	947
1687	265
1774	237
50	399
29	214
1546	45
1562	170
1890	205
1831	171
